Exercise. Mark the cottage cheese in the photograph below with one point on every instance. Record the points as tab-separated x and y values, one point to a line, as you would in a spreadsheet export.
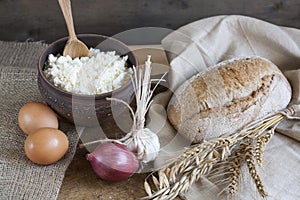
100	73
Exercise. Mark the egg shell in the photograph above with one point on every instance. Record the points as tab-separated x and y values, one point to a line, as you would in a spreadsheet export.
46	146
34	115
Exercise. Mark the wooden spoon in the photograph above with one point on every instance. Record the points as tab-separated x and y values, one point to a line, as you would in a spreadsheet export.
74	47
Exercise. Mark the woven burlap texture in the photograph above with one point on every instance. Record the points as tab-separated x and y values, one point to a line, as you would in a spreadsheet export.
19	177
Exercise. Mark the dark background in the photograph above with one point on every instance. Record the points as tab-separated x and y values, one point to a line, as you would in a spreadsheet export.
37	20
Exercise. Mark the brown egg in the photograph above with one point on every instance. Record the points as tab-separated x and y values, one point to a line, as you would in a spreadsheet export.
33	116
46	146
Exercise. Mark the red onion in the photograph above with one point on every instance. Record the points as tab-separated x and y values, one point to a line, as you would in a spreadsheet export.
113	161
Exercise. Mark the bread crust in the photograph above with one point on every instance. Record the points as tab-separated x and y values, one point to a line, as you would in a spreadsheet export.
227	96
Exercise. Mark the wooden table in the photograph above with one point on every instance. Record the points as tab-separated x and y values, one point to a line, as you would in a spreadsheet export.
82	183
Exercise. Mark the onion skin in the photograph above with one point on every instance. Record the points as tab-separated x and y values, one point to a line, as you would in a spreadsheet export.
113	161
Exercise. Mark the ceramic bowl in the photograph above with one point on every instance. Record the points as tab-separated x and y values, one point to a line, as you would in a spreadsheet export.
84	110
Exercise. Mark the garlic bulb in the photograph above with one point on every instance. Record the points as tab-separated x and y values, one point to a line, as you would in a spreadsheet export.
145	143
142	140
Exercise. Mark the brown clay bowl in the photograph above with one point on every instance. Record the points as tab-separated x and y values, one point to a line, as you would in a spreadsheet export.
84	110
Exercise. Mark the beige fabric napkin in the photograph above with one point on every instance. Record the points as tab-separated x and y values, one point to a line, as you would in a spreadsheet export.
204	43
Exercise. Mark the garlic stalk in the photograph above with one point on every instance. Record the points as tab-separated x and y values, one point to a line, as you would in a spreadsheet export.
142	140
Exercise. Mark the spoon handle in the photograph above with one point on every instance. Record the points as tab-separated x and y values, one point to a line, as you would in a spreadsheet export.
65	6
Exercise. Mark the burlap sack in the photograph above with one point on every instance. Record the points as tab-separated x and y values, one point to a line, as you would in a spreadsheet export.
19	177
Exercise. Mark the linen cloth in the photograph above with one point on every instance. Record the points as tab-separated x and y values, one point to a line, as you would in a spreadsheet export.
19	177
197	46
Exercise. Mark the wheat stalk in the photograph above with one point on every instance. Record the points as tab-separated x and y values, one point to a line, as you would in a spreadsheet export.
198	160
261	143
259	150
235	170
249	158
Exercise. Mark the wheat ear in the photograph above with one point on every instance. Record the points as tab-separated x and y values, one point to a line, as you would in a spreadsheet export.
249	158
261	143
235	169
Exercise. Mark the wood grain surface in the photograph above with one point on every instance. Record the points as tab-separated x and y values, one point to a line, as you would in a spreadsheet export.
81	183
42	20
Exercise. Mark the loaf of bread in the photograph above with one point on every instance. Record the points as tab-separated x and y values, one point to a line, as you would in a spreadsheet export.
228	96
